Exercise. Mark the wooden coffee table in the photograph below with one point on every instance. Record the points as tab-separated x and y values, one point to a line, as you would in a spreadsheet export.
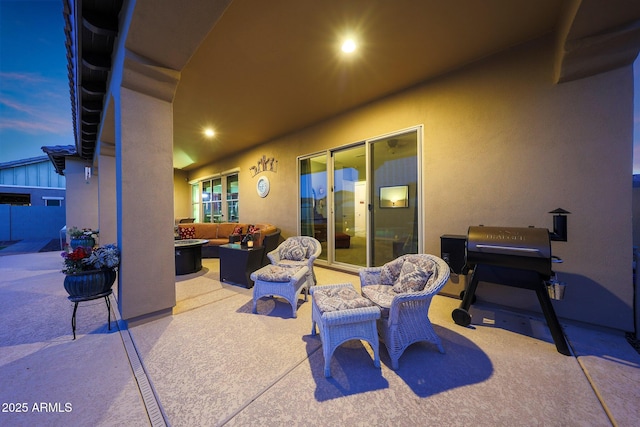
237	262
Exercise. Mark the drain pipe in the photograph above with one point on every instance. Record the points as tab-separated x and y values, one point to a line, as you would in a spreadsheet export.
636	295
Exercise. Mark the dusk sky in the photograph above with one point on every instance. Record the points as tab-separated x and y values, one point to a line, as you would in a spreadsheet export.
35	108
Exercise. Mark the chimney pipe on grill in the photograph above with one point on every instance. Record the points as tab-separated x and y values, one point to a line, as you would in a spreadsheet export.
559	225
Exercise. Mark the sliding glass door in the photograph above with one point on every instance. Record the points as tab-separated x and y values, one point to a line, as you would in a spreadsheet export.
362	201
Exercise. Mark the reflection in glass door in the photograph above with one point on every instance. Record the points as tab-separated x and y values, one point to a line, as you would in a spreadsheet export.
394	197
349	202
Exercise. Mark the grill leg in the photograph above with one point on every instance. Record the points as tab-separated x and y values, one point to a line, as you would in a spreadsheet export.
470	292
461	315
552	320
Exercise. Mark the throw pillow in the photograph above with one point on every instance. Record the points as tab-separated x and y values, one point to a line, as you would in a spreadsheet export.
391	271
237	230
292	251
187	233
411	279
308	247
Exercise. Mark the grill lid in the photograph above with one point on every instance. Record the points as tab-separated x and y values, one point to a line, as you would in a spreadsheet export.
526	248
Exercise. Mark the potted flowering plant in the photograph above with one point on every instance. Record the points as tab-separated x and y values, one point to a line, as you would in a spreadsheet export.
90	271
82	237
84	258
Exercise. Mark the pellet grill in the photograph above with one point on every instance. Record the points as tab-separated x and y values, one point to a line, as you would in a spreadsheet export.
511	256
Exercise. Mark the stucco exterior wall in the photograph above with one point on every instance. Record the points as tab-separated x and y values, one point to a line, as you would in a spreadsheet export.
82	196
503	145
181	194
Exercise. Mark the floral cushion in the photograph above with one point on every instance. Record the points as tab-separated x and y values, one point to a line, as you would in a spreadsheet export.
292	250
187	233
336	299
412	278
275	273
380	295
237	230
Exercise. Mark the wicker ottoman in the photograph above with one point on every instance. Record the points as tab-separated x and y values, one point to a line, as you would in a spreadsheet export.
342	314
286	282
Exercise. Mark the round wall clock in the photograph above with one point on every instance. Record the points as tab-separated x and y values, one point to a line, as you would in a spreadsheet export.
262	186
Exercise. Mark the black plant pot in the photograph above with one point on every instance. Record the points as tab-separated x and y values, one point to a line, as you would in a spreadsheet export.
89	283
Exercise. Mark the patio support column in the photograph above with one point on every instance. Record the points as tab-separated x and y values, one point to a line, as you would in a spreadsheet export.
107	201
144	190
82	195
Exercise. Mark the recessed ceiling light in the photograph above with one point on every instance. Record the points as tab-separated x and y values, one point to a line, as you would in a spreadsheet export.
348	46
209	133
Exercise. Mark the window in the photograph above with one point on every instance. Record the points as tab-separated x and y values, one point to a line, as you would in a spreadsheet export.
195	201
207	202
15	199
232	198
52	201
212	200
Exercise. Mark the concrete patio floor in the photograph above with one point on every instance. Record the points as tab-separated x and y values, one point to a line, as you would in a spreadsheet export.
155	374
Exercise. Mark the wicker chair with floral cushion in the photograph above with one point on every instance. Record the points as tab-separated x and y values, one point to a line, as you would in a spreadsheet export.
295	252
403	289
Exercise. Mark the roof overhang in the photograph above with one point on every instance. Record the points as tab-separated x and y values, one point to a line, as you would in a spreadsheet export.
91	29
58	155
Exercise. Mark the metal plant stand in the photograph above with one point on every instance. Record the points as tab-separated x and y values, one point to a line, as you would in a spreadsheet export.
77	300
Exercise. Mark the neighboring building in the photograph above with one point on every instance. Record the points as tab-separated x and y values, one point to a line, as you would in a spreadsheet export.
31	182
32	199
502	110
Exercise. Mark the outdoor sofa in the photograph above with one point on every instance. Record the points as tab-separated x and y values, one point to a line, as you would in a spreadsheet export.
218	234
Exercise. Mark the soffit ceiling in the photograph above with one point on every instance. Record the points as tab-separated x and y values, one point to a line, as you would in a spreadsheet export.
269	68
256	70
